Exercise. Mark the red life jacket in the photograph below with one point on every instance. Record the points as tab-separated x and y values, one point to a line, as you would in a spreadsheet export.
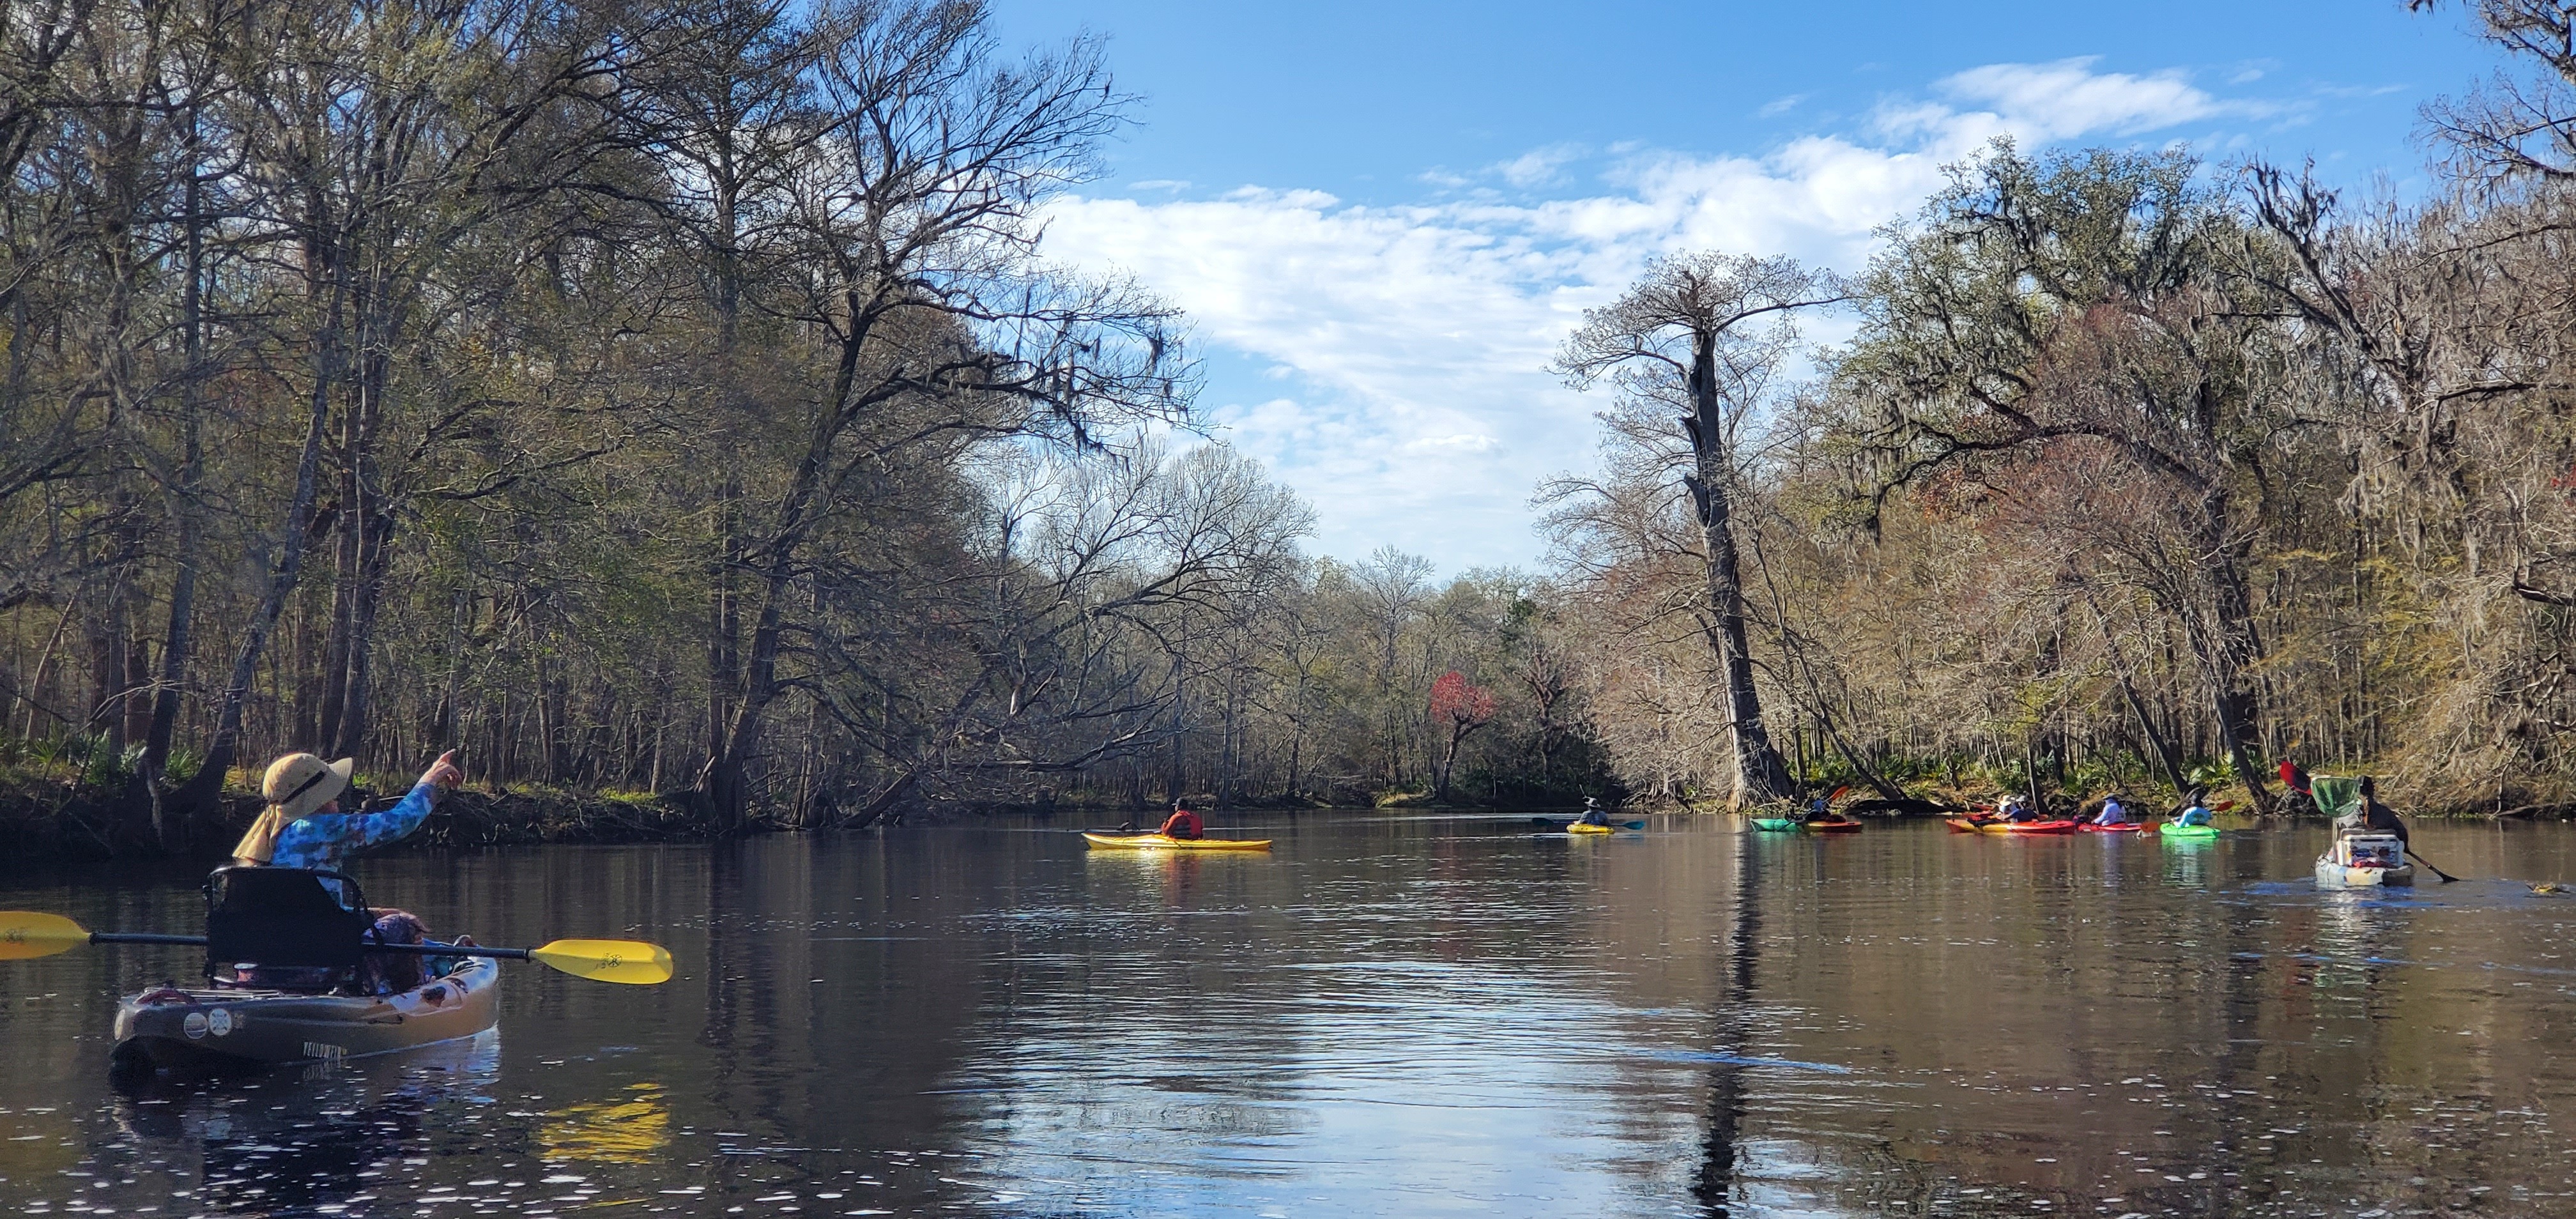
1183	824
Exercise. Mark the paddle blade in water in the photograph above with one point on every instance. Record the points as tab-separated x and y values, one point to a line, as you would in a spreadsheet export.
630	961
26	934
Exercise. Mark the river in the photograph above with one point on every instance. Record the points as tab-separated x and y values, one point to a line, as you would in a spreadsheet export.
1404	1015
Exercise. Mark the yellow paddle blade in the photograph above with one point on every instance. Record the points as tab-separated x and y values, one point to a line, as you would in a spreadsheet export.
630	961
26	934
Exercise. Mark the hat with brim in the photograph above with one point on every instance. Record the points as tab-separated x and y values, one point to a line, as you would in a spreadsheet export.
299	783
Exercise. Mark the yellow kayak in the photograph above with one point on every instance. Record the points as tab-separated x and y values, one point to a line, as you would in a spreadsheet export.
1158	842
1580	828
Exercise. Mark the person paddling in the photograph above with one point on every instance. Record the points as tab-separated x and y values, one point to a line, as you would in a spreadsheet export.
2372	817
2112	812
303	827
1183	824
2016	812
1592	814
2195	813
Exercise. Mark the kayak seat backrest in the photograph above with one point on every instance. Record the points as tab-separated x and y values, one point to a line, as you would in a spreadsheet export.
284	919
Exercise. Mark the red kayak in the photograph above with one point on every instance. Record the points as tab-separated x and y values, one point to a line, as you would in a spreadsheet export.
1833	827
2126	827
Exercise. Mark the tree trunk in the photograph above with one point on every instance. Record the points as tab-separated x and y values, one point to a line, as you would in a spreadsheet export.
203	794
2229	648
1760	776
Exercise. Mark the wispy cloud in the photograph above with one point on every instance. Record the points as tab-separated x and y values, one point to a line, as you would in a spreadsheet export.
1415	338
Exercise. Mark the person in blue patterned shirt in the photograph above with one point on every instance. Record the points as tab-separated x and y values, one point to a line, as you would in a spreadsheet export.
303	827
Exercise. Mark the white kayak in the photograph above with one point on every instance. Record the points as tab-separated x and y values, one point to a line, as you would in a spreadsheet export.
2363	860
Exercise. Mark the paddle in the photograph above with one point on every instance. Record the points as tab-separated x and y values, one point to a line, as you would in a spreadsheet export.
26	934
2428	866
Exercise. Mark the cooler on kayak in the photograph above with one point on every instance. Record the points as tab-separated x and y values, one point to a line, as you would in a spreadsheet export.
2360	860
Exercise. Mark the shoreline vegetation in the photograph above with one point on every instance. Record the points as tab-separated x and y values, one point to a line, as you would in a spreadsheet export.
46	820
682	400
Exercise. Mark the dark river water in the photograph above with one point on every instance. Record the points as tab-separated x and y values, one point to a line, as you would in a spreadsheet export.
1404	1016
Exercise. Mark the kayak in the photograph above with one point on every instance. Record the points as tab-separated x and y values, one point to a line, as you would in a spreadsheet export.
2126	827
1577	827
1833	827
1964	826
2175	829
216	1027
1775	825
1158	842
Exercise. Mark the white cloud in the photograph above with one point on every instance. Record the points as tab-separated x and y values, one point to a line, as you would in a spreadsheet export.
1414	338
1539	166
2055	101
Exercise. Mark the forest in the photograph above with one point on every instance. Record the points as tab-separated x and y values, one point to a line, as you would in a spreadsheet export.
671	405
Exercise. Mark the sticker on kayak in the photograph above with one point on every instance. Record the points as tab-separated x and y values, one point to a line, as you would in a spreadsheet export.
194	1026
325	1051
219	1022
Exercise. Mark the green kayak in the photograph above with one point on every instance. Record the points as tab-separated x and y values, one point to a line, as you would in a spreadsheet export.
2172	829
1775	825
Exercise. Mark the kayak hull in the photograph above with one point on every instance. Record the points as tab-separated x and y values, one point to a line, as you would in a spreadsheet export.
213	1028
1580	828
1159	842
1775	825
2332	875
2176	830
1964	826
2132	827
1833	827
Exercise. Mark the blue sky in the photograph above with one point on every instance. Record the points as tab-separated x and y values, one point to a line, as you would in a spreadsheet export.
1382	217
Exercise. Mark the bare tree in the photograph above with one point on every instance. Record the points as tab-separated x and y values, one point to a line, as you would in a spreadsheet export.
1703	334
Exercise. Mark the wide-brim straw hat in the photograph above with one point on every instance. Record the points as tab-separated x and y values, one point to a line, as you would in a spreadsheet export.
299	783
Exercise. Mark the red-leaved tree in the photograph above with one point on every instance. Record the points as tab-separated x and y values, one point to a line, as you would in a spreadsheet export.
1462	707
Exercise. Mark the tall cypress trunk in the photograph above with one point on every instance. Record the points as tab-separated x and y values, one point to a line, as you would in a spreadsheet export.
1760	776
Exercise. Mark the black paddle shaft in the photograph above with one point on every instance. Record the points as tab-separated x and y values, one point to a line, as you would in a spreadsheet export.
418	950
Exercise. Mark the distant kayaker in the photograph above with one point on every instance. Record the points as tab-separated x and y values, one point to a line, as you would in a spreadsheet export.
2015	811
1592	814
1183	823
2195	811
2112	812
2372	817
1820	809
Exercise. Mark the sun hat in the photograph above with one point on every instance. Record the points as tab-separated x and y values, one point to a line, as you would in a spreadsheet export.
299	783
295	785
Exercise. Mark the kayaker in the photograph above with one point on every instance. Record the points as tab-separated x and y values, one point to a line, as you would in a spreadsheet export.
2112	812
2017	812
2196	812
1820	809
1592	814
303	827
1183	823
2372	817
